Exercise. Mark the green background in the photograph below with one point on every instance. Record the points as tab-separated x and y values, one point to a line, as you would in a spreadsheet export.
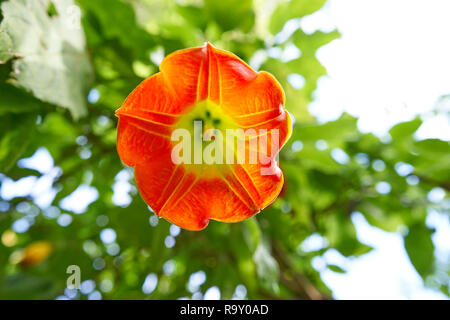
50	62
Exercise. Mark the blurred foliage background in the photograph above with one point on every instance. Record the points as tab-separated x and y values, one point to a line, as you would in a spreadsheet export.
67	65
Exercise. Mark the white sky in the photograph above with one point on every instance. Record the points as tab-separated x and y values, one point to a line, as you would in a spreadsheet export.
391	63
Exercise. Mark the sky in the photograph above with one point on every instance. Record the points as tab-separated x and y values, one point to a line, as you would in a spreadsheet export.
390	64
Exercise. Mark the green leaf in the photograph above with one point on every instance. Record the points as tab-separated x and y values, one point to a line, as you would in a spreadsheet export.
194	15
425	164
340	129
335	268
24	286
292	9
312	158
405	130
15	136
420	248
231	14
6	51
16	100
309	43
432	147
118	22
52	64
341	234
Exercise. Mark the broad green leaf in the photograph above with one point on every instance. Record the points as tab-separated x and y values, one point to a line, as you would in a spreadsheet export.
287	10
383	217
15	136
432	147
194	15
405	130
340	129
6	51
312	158
309	43
231	14
341	234
16	100
420	248
52	63
99	27
433	160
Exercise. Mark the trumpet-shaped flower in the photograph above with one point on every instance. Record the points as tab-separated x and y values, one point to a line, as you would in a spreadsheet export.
203	135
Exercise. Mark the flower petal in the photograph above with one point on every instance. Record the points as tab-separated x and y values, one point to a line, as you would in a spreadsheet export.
139	141
207	199
189	201
249	97
147	118
253	100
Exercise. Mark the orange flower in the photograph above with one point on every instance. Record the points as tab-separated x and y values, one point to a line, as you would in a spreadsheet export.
216	87
35	253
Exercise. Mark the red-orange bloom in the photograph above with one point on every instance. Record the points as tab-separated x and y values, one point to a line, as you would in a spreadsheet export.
214	86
